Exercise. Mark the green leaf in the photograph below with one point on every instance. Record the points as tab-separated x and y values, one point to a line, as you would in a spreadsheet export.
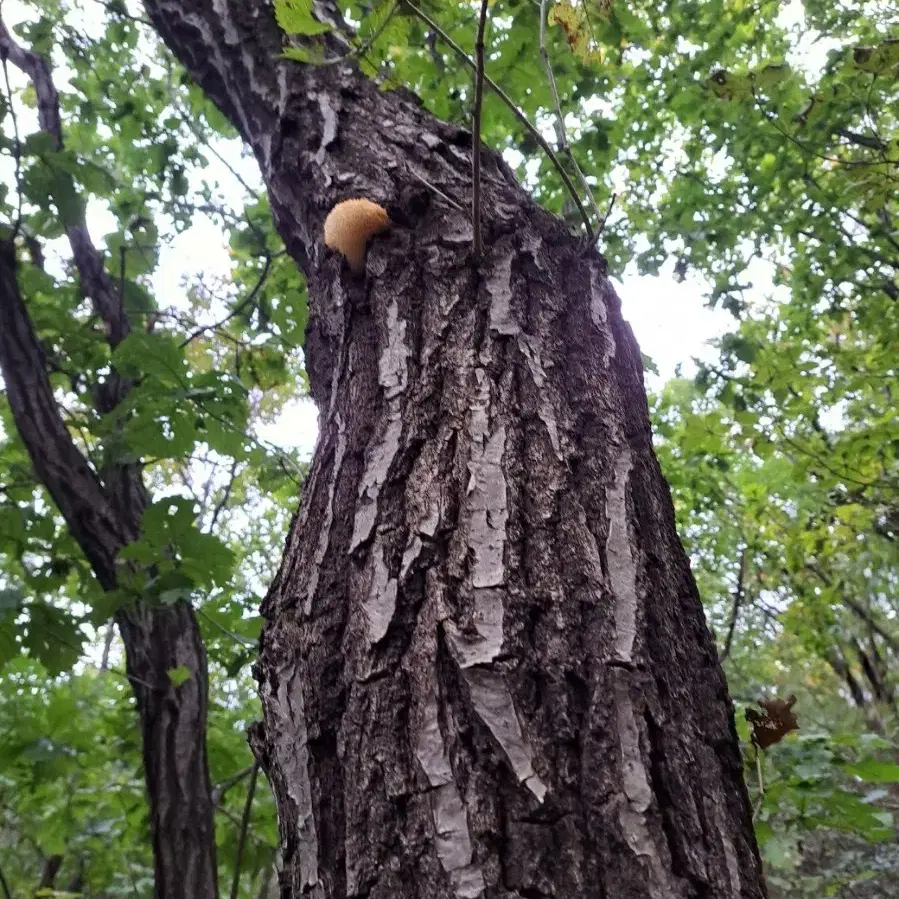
295	17
39	143
154	354
53	637
878	59
65	196
872	771
179	675
308	55
648	364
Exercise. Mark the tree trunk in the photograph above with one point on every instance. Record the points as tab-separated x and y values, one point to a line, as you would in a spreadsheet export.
485	669
104	516
103	511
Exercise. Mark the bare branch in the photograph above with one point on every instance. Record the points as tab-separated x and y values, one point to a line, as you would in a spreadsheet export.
739	593
222	504
861	140
476	133
244	826
219	790
241	306
88	259
107	645
602	225
62	469
363	48
522	118
189	120
856	607
17	145
436	190
561	133
120	12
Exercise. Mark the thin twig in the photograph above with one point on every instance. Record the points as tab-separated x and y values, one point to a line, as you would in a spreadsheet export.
244	825
17	148
79	650
561	133
107	645
363	48
219	790
188	120
476	132
225	812
739	592
240	307
811	151
270	872
121	12
226	496
602	226
522	118
436	190
761	781
88	259
854	606
240	641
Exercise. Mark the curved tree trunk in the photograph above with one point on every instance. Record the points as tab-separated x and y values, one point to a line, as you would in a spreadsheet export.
484	669
103	511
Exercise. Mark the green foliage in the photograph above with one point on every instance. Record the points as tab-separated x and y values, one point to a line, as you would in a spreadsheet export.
736	157
208	371
799	587
296	17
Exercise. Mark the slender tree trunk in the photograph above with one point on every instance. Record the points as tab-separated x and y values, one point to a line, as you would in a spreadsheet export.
104	516
485	669
103	510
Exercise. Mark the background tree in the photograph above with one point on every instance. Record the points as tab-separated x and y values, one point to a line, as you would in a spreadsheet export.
103	401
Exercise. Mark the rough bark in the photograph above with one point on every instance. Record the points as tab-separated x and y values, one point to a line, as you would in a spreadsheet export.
103	511
484	668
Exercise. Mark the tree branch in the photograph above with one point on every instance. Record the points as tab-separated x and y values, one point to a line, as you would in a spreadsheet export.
244	827
856	607
62	469
226	496
561	132
17	144
739	593
219	790
103	516
522	118
476	132
88	260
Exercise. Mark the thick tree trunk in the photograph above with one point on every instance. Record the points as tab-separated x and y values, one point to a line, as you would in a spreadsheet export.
484	669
